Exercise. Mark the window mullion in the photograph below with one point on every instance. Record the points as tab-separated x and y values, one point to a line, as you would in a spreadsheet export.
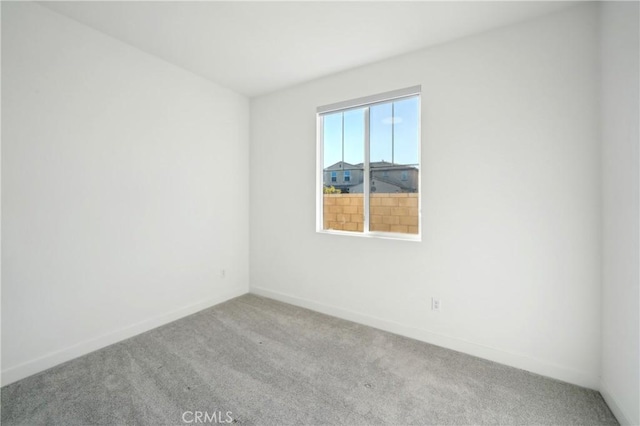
342	141
367	177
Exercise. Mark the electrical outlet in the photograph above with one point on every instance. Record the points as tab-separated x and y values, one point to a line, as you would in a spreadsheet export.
435	304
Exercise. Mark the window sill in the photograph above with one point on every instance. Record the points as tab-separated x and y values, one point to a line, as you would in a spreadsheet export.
376	235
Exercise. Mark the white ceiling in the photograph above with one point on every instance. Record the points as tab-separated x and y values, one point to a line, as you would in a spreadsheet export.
259	47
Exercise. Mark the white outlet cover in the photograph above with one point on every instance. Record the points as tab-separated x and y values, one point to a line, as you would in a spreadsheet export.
435	304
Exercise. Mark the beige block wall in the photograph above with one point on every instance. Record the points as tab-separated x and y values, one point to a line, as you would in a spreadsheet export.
388	212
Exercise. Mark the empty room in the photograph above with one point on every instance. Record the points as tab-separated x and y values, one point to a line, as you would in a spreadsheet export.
310	213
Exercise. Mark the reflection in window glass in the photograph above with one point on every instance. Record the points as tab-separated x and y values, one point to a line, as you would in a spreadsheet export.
354	137
380	133
405	131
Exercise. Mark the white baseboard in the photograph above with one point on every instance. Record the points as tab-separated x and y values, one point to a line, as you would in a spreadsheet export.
622	417
523	362
26	369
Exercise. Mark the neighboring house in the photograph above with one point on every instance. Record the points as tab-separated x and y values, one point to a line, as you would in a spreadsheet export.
343	176
385	177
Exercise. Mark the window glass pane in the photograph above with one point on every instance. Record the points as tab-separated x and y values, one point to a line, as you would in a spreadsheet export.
332	143
394	173
405	131
354	137
343	145
380	133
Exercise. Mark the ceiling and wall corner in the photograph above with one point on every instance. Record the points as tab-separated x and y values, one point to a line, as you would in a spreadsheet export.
259	47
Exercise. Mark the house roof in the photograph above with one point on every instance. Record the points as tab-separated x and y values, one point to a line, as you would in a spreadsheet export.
343	165
382	165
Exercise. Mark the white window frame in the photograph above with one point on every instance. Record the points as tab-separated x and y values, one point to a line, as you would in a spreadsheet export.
346	175
365	102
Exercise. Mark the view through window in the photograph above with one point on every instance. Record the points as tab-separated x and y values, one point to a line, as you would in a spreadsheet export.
370	164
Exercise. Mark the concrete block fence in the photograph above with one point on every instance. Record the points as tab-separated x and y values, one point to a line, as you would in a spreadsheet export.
397	212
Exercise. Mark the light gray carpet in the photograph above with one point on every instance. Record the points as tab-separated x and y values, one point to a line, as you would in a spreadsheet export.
267	362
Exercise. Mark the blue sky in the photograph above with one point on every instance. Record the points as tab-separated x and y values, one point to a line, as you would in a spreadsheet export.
405	132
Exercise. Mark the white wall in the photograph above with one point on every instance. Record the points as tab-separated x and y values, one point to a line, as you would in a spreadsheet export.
510	196
125	191
620	376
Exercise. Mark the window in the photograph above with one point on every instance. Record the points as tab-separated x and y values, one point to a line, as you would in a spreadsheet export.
334	176
377	139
